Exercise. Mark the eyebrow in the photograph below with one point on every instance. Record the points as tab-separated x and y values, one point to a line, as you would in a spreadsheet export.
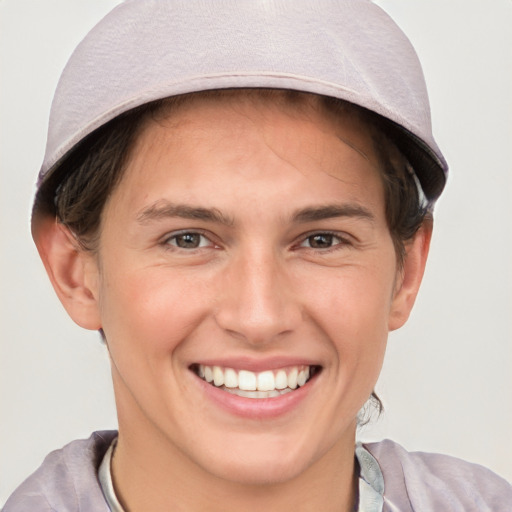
312	214
164	209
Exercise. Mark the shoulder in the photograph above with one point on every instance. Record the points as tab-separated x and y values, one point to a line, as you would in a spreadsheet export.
433	482
66	480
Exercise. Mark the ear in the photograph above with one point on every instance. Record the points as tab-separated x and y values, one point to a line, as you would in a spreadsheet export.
409	279
72	270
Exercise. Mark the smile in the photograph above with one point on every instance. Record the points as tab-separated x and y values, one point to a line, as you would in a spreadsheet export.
248	384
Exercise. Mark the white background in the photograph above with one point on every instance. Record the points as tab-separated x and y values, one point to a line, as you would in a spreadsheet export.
447	380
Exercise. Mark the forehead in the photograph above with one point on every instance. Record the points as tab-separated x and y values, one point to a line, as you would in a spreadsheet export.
190	142
279	115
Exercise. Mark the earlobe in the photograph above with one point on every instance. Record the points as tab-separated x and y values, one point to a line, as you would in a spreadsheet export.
71	269
411	276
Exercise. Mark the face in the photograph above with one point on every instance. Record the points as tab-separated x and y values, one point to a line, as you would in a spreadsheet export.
245	282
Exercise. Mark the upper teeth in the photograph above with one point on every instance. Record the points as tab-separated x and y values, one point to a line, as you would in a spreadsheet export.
246	380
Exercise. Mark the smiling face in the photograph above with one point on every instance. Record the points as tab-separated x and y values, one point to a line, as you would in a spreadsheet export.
246	281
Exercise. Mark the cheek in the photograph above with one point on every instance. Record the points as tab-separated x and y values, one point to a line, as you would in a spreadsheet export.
151	309
147	314
352	306
357	297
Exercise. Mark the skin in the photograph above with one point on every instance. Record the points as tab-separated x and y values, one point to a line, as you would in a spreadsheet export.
257	290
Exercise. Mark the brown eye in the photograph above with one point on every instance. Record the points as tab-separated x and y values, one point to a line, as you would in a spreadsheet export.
188	241
322	241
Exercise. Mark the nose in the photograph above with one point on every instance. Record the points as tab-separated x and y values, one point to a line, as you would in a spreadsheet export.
257	303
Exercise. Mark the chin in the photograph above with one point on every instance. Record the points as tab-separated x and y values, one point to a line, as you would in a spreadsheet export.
260	472
260	462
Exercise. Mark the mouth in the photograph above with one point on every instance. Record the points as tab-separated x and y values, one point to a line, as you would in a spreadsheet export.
248	384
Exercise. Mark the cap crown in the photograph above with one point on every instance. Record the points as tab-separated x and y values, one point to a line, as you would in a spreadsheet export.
145	50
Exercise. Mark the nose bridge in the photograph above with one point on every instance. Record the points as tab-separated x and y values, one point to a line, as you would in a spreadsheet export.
257	303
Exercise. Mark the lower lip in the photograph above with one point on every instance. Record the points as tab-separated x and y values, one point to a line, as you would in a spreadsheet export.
256	408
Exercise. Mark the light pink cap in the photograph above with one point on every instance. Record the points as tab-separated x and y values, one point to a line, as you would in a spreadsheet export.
145	50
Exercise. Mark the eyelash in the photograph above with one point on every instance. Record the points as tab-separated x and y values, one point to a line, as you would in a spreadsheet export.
342	241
